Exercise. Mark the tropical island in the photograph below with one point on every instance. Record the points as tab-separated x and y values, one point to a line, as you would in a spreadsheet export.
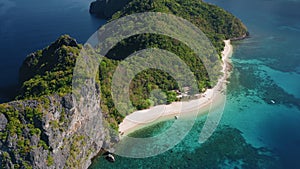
43	129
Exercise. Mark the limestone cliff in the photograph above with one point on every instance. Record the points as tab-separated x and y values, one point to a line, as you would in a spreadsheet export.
53	132
52	129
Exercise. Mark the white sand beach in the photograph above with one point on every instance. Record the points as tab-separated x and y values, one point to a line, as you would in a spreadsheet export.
142	118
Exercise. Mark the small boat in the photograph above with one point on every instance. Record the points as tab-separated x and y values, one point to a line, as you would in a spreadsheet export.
273	102
176	117
110	158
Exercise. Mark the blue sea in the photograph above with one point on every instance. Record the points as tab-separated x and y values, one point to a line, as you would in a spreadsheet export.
261	121
26	26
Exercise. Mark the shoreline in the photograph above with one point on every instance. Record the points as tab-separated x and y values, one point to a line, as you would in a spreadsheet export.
143	118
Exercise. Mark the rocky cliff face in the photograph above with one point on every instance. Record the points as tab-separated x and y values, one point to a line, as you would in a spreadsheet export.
65	134
52	129
106	8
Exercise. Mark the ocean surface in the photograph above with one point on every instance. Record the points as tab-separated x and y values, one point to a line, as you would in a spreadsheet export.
26	26
254	131
253	128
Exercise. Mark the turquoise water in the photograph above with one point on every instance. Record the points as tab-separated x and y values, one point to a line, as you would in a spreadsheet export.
254	132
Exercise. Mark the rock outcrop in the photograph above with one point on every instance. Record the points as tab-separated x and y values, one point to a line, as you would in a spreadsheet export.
66	135
52	57
54	129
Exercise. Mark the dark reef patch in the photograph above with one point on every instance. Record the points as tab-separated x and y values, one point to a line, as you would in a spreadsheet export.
226	147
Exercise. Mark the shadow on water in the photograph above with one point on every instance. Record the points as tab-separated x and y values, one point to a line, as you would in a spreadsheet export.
8	93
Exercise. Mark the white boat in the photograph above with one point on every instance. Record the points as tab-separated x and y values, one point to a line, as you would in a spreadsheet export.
110	158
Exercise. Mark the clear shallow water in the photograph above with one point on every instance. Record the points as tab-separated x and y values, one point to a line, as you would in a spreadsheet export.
26	26
266	67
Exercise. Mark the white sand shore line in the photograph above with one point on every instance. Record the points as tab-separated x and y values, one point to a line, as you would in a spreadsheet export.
143	118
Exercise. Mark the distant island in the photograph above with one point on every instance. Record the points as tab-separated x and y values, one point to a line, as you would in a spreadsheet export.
106	8
42	127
